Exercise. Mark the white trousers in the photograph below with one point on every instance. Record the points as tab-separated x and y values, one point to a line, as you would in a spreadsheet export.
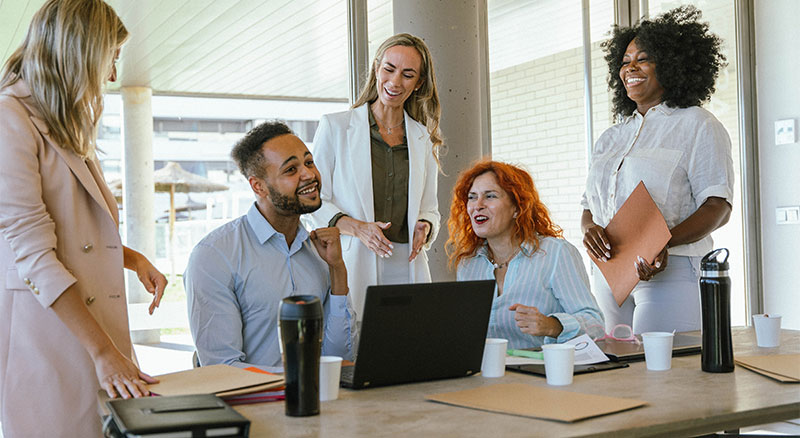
669	301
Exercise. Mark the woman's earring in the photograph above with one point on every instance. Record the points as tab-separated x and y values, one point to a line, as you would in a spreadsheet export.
515	215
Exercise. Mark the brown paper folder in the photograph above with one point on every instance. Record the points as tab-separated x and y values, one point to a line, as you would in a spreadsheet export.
782	367
213	379
536	402
638	229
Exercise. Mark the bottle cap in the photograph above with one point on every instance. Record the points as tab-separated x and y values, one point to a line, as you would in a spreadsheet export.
710	261
299	307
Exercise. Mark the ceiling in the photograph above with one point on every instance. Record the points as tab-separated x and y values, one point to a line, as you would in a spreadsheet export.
284	49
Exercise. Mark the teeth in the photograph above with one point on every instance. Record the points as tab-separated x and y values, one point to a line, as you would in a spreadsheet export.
481	218
390	93
308	190
632	80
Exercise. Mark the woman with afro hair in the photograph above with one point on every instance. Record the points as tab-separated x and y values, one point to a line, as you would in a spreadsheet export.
661	71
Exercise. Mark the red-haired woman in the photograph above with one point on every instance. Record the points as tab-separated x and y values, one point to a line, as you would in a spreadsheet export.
500	229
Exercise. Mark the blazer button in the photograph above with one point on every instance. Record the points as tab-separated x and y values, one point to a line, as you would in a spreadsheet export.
27	281
88	247
36	291
89	301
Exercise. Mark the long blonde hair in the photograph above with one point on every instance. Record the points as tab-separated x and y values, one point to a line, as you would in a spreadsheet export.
65	60
423	104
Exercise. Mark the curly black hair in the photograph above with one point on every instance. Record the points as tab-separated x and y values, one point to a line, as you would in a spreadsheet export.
247	151
687	56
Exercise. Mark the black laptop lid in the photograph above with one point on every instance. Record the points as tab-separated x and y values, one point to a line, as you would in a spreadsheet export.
425	331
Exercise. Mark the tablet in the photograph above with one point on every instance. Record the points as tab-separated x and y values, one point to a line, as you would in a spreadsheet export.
538	369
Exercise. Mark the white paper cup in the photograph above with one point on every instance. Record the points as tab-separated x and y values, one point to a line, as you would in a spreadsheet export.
494	358
330	370
658	350
768	329
559	361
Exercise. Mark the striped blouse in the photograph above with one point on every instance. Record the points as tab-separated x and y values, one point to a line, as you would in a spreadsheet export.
551	279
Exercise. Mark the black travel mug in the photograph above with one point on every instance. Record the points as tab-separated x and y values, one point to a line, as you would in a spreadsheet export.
715	298
301	338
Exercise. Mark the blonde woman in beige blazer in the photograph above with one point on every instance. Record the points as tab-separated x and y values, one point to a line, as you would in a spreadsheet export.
63	316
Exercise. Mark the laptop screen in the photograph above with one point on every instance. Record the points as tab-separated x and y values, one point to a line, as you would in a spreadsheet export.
424	331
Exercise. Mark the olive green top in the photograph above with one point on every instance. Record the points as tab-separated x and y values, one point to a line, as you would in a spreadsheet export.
390	182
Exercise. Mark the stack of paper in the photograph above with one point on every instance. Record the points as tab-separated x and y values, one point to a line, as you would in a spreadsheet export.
222	380
781	367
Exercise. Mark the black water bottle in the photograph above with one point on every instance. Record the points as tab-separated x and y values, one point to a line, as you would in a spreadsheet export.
301	339
715	298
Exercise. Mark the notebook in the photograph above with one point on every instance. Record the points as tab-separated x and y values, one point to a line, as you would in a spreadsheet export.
628	351
418	332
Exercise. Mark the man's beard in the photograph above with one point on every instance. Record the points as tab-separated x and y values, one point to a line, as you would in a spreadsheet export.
291	204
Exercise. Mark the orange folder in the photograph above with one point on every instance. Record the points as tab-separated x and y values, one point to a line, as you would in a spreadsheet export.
638	229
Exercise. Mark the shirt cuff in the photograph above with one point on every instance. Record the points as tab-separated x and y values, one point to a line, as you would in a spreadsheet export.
719	191
334	219
339	307
570	328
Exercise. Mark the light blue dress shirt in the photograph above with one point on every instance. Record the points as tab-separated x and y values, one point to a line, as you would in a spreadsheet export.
551	279
237	276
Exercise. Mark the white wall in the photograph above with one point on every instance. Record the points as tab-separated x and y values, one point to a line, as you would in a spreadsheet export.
777	67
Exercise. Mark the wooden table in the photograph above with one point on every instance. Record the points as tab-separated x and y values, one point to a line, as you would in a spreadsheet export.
682	401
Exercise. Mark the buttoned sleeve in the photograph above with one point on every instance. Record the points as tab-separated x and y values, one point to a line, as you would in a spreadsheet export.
215	317
341	334
710	168
570	286
24	221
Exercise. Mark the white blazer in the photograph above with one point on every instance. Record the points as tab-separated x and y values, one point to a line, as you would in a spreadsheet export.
343	156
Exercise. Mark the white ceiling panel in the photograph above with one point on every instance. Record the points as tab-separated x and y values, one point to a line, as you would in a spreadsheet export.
295	49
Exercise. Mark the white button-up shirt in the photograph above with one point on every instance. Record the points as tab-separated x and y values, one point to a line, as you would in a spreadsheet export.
683	155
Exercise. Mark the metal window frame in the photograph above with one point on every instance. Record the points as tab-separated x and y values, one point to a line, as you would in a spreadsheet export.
358	42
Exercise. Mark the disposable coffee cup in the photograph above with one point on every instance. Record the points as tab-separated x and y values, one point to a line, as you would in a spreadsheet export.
494	357
559	361
658	350
768	329
330	370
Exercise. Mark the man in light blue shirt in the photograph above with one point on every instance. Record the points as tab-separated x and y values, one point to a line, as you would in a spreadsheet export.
239	273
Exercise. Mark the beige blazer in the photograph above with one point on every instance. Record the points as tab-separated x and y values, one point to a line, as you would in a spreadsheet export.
59	227
342	154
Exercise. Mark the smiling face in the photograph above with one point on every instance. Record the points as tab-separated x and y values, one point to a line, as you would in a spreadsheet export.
491	210
292	179
638	74
398	75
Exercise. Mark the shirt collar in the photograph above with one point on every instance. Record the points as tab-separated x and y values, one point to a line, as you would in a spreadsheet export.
661	107
264	230
525	248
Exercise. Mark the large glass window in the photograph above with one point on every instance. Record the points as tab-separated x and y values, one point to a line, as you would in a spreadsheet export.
537	95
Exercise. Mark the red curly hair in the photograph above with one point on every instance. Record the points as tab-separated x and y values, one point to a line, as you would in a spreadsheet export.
533	219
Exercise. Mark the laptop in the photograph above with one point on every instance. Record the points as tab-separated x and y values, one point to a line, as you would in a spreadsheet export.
629	351
419	332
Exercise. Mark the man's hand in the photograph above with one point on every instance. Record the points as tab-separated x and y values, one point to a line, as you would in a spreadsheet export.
531	321
421	230
329	245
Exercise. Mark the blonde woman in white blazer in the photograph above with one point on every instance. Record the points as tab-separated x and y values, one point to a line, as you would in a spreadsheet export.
398	108
63	313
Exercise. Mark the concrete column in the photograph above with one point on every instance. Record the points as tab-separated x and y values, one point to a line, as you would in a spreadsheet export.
455	32
138	196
